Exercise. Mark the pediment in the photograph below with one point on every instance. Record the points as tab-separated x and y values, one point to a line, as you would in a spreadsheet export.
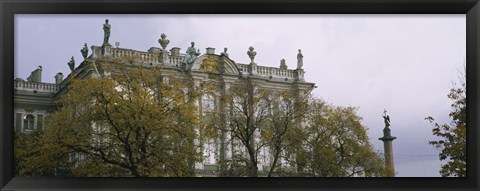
212	63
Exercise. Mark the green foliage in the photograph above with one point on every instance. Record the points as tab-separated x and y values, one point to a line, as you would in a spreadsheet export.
130	123
304	136
453	137
336	144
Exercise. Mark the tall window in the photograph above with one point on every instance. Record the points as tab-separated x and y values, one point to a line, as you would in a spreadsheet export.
28	121
208	104
284	106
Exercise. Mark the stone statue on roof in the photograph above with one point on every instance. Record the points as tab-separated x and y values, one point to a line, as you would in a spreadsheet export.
224	53
192	54
71	63
106	34
299	59
283	64
84	51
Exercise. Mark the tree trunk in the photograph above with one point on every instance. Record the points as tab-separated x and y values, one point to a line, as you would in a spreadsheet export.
252	166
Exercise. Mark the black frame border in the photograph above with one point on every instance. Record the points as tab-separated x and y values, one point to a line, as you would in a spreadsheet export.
10	7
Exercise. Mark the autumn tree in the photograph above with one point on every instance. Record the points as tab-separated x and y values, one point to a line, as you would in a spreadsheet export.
212	131
283	128
32	160
334	143
131	121
248	114
453	136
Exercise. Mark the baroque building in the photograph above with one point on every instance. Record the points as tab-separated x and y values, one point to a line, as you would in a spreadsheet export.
35	99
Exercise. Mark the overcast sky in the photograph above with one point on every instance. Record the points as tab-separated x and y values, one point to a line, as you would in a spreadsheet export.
405	64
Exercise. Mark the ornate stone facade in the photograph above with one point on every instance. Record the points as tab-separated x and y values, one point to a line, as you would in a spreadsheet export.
37	99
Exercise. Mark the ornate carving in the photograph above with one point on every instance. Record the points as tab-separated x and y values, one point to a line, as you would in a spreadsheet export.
163	41
210	64
84	51
251	54
29	109
71	64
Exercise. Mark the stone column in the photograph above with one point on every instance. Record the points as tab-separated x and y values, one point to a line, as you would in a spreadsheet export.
388	151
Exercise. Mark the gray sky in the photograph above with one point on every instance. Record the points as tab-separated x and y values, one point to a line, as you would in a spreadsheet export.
403	63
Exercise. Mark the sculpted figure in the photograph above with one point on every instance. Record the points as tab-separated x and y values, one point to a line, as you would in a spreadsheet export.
106	31
386	118
283	64
224	53
299	59
71	64
192	54
84	51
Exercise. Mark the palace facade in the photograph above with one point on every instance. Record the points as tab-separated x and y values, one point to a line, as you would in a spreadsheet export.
35	99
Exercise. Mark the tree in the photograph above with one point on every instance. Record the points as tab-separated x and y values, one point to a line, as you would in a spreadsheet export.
453	136
130	121
248	114
335	144
282	130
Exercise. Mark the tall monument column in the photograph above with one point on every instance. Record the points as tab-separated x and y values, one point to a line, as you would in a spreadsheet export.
387	145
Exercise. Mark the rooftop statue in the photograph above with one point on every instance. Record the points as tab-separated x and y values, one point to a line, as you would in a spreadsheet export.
106	30
251	54
386	119
283	65
224	53
84	51
299	59
192	54
163	41
71	64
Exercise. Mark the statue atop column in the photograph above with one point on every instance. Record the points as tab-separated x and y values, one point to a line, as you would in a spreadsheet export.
224	53
84	51
387	145
106	30
386	119
299	59
71	64
251	54
192	54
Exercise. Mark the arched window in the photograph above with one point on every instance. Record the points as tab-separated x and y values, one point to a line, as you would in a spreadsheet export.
28	121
